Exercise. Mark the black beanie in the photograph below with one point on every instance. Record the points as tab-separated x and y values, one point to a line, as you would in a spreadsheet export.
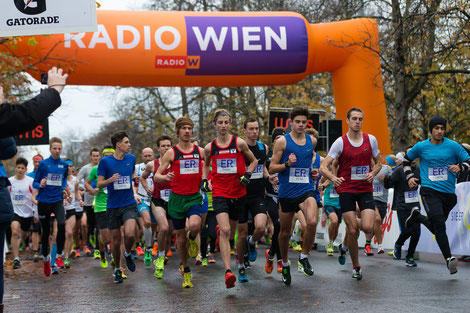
278	132
437	120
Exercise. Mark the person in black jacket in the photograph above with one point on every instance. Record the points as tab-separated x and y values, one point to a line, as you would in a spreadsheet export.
404	199
16	119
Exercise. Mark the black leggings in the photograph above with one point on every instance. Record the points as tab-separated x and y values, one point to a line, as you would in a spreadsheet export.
406	233
208	231
91	225
44	212
273	211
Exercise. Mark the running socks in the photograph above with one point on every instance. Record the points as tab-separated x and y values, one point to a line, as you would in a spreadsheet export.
303	256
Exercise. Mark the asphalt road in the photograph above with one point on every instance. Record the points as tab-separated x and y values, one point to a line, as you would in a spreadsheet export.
388	286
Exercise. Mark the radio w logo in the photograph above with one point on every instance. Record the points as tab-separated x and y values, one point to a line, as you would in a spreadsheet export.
31	7
190	61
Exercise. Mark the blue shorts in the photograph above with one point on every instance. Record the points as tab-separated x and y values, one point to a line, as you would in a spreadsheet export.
144	207
331	209
181	223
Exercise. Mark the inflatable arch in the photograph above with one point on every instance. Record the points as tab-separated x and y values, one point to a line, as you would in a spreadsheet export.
137	48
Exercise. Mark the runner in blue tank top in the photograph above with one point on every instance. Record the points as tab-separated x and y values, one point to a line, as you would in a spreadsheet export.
439	160
292	159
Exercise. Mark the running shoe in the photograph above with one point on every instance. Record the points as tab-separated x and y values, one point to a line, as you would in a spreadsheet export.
380	250
304	266
22	247
198	259
36	257
269	265
148	257
140	252
16	264
103	262
230	280
124	276
330	250
210	258
204	262
242	275
87	251
67	263
390	253
357	273
298	248
77	253
286	278
279	266
130	262
93	241
155	249
452	264
247	262
252	254
232	251
133	255
187	280
410	262
97	254
59	261
368	250
342	255
193	247
397	252
54	270
169	253
118	277
160	266
412	217
181	268
47	266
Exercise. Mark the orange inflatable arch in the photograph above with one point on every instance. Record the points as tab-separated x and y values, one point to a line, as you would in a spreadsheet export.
222	49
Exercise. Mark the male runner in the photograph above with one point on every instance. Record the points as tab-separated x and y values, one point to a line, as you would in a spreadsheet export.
185	200
226	154
353	182
36	229
116	172
160	194
292	159
439	160
51	181
254	199
70	204
333	212
22	197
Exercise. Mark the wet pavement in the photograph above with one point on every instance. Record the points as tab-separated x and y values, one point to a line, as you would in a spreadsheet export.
388	286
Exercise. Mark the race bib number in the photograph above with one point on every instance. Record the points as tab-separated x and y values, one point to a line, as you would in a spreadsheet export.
165	194
411	196
258	172
437	173
299	175
226	166
105	190
333	193
378	191
123	183
19	200
189	166
359	172
54	179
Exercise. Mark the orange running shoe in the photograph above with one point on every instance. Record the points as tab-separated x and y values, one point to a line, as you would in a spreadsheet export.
230	279
268	266
279	267
77	253
169	253
87	251
155	249
140	251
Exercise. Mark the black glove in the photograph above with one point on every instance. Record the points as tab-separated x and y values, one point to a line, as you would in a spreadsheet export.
245	179
205	185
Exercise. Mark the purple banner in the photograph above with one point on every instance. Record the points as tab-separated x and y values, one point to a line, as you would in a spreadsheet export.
247	45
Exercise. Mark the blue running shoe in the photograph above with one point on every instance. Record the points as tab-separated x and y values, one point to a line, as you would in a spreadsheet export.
342	255
242	275
252	254
397	252
118	279
134	254
410	262
54	270
130	262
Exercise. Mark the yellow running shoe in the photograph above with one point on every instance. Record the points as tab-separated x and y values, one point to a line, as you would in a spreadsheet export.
96	254
193	247
159	267
104	262
187	280
330	249
124	276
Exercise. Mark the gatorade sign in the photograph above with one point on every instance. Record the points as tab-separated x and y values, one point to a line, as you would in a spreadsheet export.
35	17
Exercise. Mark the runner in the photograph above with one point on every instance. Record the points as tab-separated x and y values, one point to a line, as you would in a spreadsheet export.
185	201
353	182
51	181
292	159
36	229
70	204
254	200
22	196
116	172
100	201
229	177
404	199
160	195
333	211
439	160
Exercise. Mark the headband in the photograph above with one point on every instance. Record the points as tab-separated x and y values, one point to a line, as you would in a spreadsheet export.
108	150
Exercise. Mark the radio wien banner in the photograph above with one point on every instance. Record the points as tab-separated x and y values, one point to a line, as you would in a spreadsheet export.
37	17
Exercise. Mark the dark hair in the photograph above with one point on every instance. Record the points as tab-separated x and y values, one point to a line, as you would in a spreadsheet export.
249	120
222	112
353	110
118	137
409	147
94	150
22	161
298	111
163	137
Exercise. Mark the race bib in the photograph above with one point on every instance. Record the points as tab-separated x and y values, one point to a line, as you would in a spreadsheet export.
105	190
378	191
333	193
299	175
437	173
226	166
19	200
54	179
124	182
189	166
411	196
165	194
258	172
359	172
